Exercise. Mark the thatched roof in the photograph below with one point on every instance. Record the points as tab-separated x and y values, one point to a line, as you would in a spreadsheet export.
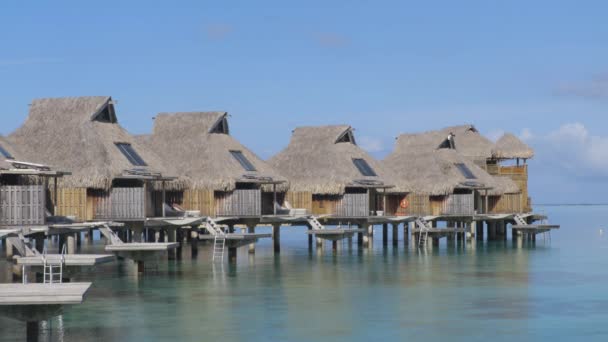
320	160
199	145
419	164
79	134
471	143
511	147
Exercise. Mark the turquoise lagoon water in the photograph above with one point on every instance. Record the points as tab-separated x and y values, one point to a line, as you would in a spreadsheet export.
491	291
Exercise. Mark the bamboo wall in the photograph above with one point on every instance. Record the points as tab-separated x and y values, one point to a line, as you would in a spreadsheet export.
201	200
519	174
505	204
324	204
417	205
22	205
300	200
73	202
458	204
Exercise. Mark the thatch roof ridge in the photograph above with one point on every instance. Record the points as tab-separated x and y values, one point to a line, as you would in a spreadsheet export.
315	162
470	143
62	132
418	163
511	147
203	159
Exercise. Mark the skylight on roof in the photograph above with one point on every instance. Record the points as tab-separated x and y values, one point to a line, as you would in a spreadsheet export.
129	152
465	171
364	167
5	153
245	163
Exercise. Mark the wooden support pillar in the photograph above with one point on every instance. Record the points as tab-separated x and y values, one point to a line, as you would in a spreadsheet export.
179	236
171	236
471	229
334	245
232	255
368	235
32	331
276	238
491	230
479	232
359	237
193	244
395	234
71	244
385	234
61	242
251	230
8	246
40	242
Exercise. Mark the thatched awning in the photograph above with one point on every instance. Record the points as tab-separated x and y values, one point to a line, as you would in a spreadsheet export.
419	164
511	147
320	160
80	135
200	147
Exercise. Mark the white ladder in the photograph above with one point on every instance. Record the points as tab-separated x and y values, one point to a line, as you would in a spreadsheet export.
53	272
315	224
219	245
219	241
424	228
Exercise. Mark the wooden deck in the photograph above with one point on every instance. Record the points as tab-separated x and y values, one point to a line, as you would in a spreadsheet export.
536	226
329	232
74	260
237	236
142	247
43	294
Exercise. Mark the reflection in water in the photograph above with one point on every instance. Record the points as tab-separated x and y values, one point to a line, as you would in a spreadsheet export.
497	291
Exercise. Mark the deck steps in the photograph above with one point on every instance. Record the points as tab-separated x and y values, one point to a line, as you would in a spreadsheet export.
315	224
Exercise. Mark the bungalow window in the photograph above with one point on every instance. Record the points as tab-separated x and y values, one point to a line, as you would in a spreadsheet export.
245	163
364	167
129	152
465	171
5	153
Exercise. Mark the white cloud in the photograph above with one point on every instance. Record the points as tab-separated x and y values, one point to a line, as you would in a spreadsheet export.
572	148
370	144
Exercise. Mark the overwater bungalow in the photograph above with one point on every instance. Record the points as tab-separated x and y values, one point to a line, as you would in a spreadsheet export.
494	159
330	175
112	175
222	178
442	181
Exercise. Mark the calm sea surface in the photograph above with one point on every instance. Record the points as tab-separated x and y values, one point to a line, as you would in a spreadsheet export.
494	291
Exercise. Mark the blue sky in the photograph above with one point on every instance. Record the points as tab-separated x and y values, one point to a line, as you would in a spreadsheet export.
536	68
